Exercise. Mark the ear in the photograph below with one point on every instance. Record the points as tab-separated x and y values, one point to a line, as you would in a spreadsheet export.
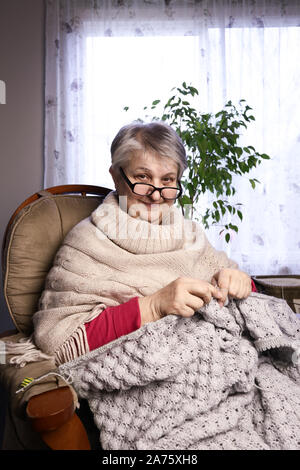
112	172
114	176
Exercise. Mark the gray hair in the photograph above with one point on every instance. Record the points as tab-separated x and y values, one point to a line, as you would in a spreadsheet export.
154	136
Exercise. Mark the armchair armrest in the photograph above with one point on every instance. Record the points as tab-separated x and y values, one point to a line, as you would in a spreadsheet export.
50	410
12	376
52	415
47	405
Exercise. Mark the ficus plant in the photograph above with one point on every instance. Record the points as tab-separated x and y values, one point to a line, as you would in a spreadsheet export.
214	155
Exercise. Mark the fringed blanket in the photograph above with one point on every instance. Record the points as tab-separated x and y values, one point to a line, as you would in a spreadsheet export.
223	379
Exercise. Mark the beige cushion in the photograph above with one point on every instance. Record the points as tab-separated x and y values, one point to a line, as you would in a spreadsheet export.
32	242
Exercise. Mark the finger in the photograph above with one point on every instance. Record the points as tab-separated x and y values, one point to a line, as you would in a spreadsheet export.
224	280
224	294
194	303
189	311
217	293
197	297
241	287
245	290
189	305
222	286
242	293
235	288
202	289
202	292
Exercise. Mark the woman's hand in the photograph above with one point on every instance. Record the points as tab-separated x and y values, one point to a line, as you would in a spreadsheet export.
181	297
233	283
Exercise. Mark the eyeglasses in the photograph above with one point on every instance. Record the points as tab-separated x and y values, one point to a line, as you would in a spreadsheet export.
144	189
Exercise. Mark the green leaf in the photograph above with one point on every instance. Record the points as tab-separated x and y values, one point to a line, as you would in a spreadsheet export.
155	102
126	108
234	227
227	237
265	156
193	91
185	199
240	215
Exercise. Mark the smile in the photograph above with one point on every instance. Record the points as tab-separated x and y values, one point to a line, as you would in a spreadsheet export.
151	204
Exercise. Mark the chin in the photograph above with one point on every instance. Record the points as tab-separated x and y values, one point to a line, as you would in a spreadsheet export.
151	212
151	216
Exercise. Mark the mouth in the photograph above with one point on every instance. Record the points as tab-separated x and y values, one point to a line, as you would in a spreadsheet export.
149	204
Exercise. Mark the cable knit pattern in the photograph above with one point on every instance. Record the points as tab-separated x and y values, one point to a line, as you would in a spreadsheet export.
109	258
223	379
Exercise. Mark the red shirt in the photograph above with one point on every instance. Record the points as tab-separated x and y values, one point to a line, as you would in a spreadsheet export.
113	322
117	321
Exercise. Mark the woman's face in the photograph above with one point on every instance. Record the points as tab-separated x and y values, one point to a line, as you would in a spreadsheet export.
147	167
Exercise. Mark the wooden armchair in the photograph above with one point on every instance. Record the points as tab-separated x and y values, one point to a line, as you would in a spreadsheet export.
46	415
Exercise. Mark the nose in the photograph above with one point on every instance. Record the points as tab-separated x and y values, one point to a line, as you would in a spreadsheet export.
155	196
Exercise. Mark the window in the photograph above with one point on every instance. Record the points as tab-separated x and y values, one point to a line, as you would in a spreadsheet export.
102	56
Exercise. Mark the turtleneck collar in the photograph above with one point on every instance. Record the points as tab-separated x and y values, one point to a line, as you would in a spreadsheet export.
140	236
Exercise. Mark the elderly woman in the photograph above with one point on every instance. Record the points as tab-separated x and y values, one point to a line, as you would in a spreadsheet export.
136	259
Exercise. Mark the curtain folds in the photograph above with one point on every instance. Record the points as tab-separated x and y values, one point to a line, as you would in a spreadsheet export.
102	55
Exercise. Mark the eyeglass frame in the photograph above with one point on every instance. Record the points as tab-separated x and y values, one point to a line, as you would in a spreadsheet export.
132	186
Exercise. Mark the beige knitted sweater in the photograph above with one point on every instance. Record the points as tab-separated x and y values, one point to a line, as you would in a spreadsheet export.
109	258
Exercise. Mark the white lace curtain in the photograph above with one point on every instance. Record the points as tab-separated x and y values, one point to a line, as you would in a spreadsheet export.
102	55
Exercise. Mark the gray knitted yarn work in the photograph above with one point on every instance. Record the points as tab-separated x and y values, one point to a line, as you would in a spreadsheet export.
223	379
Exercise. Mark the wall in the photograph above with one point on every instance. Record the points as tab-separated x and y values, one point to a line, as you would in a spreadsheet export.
21	118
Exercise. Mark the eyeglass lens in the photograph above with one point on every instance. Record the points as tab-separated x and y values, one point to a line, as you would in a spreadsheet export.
146	190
